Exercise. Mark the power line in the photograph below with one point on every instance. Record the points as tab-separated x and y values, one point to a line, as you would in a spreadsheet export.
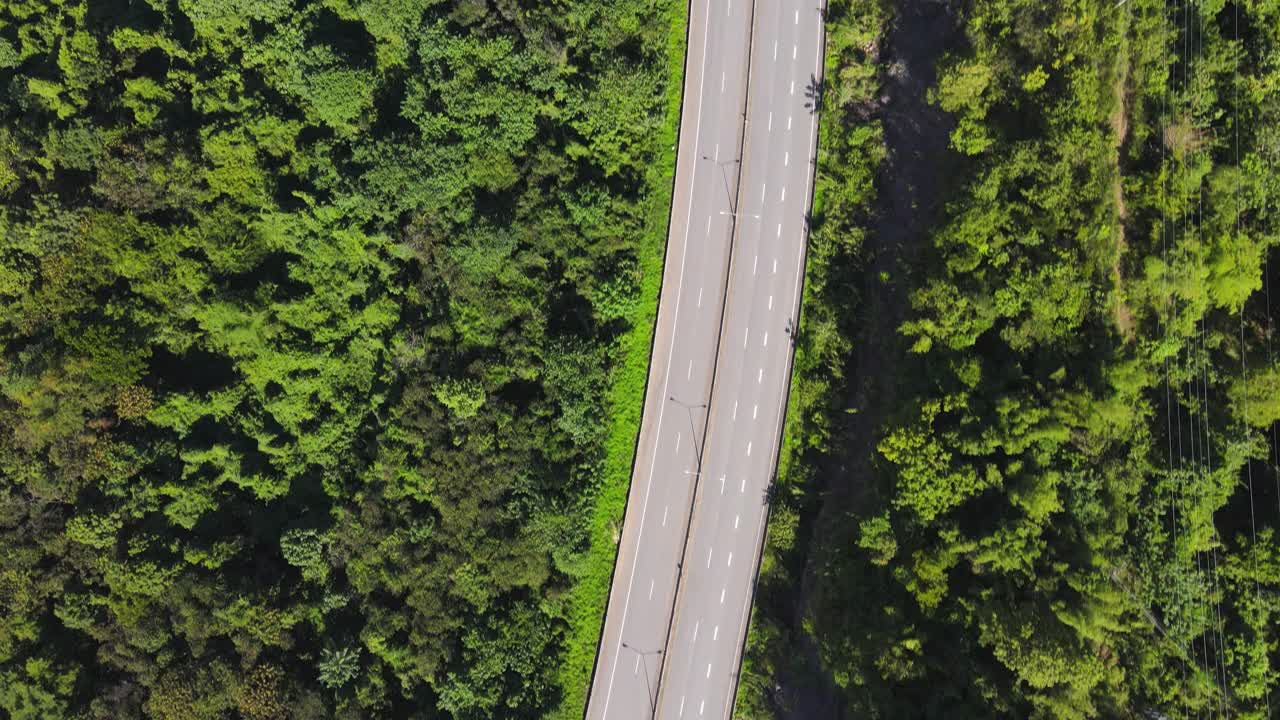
1179	164
1244	361
1174	478
1214	621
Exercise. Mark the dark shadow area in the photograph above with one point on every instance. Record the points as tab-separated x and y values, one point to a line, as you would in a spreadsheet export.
111	14
349	39
196	370
272	269
813	95
913	180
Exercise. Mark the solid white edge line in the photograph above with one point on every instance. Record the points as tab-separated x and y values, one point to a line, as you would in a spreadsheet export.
782	396
697	133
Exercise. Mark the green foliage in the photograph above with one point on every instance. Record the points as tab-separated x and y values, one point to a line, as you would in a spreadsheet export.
850	155
38	692
1056	522
304	549
314	328
338	667
463	398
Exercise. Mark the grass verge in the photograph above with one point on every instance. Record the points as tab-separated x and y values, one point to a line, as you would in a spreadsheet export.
625	400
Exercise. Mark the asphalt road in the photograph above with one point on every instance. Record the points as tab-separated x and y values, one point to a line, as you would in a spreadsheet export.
698	553
703	656
682	363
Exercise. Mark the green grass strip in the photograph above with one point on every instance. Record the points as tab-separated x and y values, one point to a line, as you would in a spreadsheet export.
625	400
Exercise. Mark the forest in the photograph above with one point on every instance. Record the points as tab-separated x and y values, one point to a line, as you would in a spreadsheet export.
1031	470
317	345
324	329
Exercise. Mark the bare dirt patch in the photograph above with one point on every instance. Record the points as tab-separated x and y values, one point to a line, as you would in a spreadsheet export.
1120	127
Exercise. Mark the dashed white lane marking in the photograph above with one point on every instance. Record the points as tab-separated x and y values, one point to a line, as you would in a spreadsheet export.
766	340
717	153
709	551
708	675
735	409
764	188
775	266
677	442
701	704
793	82
730	563
695	630
745	333
788	122
783	196
776	234
786	158
735	521
699	297
775	49
721	596
743	486
754	409
755	262
760	376
793	52
664	515
721	484
716	634
651	589
797	22
770	302
626	604
636	669
748	449
793	86
771	120
681	706
729	9
708	225
689	374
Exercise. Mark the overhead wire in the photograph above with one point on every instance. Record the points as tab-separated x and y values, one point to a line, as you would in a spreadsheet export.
1244	360
1168	228
1180	187
1210	574
1271	361
1195	359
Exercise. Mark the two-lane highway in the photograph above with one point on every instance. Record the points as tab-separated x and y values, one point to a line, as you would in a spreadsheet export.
682	364
753	367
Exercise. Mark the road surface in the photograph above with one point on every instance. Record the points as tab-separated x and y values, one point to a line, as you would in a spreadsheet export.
682	363
683	582
753	371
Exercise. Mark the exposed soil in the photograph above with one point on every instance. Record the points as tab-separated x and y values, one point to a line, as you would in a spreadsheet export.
912	184
1120	127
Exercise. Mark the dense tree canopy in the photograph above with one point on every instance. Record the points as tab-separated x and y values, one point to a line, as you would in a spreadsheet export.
306	317
1069	509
